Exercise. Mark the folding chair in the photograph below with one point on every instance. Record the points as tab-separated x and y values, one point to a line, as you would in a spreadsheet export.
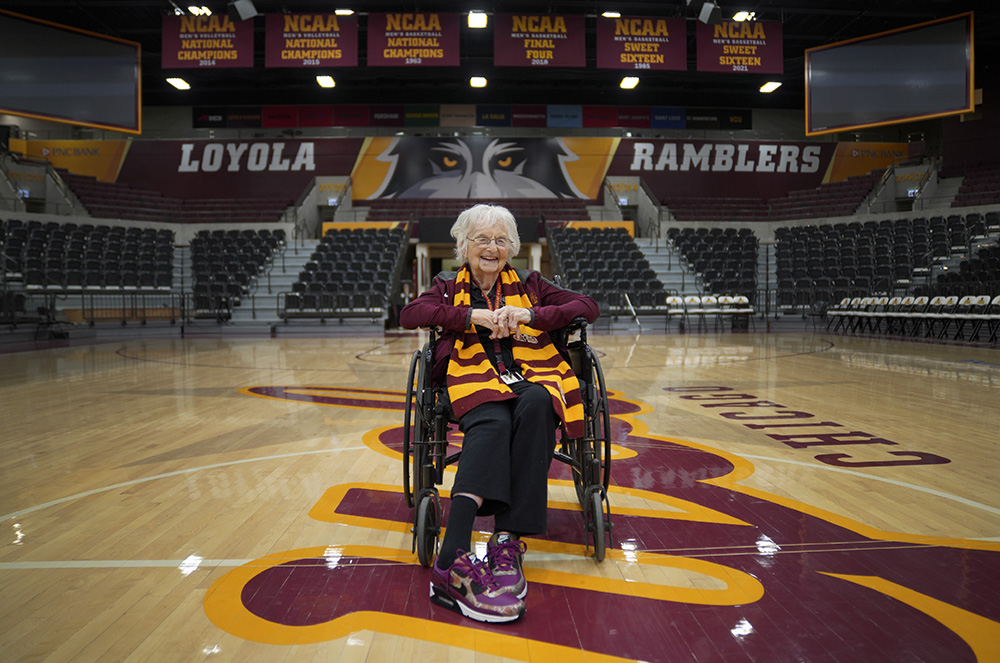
992	319
970	309
836	316
676	309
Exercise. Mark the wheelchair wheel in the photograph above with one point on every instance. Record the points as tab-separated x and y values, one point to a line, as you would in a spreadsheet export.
596	523
592	453
602	413
407	447
426	528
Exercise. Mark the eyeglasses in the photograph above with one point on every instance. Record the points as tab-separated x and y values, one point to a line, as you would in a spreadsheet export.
501	242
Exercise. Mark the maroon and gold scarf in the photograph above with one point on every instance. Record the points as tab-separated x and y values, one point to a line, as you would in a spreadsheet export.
472	379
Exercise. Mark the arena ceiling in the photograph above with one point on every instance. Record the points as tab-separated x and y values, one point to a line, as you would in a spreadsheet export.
805	25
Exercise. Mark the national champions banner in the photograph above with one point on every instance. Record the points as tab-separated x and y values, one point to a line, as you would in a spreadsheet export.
310	40
212	42
413	40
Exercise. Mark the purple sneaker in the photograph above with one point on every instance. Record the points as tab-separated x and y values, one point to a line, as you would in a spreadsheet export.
468	587
503	554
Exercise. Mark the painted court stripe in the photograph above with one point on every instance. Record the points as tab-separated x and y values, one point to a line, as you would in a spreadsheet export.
124	484
120	564
902	484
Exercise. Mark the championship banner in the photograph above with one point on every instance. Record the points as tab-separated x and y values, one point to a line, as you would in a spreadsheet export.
750	47
642	43
192	42
310	40
542	40
413	40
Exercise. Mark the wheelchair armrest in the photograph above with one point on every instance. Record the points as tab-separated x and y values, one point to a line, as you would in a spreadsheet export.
577	324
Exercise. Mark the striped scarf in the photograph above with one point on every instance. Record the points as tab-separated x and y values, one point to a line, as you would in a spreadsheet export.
473	380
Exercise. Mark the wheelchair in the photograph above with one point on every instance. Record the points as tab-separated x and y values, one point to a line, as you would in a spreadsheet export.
425	444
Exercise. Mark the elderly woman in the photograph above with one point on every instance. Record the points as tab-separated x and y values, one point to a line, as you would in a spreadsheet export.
509	387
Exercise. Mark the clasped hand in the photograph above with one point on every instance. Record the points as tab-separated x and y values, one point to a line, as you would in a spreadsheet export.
502	322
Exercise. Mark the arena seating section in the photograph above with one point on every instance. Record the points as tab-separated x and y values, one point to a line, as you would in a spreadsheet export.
350	274
120	201
981	186
72	258
608	265
406	209
724	260
226	264
831	262
826	200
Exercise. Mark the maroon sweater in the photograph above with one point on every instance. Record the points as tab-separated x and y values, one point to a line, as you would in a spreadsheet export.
555	309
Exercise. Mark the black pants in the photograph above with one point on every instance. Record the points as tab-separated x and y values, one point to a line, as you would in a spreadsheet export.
506	454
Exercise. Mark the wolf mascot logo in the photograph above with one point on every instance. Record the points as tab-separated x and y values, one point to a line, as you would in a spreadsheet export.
477	167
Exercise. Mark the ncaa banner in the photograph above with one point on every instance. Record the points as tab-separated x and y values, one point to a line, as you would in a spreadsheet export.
657	44
544	40
310	40
748	47
413	40
215	42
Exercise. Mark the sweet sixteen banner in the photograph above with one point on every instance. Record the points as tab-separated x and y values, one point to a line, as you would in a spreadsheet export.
642	43
539	40
749	47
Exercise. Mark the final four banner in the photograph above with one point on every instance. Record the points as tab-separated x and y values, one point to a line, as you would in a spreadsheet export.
413	40
543	40
310	40
656	44
747	47
211	42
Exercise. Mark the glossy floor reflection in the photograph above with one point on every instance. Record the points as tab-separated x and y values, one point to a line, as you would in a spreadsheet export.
783	497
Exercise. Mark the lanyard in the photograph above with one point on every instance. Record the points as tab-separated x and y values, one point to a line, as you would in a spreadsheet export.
494	305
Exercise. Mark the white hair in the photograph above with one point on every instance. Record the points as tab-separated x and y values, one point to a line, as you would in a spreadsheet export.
479	217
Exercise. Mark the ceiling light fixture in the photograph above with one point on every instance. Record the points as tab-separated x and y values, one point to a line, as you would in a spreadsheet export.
179	83
708	12
343	12
612	14
477	19
629	82
744	16
326	81
477	81
199	11
770	86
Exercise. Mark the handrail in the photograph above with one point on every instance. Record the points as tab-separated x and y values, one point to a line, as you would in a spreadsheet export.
653	229
4	153
635	316
873	195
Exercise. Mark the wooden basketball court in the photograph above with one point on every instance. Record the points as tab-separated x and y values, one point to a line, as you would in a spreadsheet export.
792	496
